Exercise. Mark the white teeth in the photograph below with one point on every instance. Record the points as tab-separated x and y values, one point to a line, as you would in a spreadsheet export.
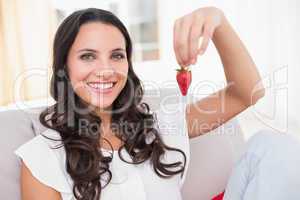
101	85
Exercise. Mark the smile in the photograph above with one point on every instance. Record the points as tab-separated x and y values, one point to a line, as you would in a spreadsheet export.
103	88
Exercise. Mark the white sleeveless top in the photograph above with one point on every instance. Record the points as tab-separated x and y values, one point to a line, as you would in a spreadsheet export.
129	181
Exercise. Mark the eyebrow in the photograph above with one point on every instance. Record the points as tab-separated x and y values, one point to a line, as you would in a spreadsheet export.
95	51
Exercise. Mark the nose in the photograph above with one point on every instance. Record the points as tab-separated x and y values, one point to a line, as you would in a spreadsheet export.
105	71
104	67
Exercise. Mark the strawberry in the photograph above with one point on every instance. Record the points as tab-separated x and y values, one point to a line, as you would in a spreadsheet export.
184	79
219	197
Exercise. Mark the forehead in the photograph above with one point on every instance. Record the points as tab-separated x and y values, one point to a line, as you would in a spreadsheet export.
96	35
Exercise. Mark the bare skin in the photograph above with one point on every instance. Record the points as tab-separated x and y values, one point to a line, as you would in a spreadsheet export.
33	189
210	23
97	54
243	80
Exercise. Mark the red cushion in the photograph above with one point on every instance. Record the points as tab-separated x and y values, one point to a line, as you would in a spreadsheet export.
219	197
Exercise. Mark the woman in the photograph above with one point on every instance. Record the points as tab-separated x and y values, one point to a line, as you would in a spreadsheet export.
99	108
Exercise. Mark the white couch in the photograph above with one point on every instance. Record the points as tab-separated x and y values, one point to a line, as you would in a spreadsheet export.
212	155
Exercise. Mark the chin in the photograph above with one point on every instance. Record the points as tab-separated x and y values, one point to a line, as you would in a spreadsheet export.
102	104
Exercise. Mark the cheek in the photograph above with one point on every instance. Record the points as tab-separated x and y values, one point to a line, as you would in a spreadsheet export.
77	77
78	72
123	75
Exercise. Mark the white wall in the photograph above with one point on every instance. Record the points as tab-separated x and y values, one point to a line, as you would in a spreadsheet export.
268	29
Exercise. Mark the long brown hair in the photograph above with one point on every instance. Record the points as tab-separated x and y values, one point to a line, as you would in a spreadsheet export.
85	162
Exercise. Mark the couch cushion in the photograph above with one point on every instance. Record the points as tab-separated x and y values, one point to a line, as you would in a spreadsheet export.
16	128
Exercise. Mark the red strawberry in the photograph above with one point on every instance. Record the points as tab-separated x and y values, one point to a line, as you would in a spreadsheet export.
219	197
184	79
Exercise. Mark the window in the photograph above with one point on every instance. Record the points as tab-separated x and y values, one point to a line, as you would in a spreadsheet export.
143	27
139	16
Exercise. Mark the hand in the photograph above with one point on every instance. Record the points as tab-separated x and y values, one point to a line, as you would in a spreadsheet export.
188	30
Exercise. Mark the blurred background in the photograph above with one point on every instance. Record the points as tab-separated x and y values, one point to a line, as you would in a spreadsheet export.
268	29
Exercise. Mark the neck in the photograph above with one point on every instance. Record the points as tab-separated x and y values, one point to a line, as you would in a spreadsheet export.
105	116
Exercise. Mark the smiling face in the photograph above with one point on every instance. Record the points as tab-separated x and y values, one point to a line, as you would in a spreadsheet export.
97	64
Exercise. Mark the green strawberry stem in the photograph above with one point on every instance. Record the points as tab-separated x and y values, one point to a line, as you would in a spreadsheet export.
182	69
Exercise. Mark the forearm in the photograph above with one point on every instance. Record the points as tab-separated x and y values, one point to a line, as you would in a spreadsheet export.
241	73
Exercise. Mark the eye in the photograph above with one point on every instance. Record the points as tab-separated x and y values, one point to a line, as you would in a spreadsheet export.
118	56
88	57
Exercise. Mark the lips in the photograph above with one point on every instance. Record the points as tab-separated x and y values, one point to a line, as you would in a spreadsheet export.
101	87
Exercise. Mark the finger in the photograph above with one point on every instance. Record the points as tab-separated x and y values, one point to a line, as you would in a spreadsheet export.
195	33
175	39
182	40
207	34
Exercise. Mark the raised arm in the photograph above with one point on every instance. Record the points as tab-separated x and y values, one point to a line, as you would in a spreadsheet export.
244	86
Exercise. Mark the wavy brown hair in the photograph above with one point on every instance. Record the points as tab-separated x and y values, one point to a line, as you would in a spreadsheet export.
85	162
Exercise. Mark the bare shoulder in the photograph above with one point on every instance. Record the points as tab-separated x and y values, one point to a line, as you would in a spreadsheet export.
32	189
